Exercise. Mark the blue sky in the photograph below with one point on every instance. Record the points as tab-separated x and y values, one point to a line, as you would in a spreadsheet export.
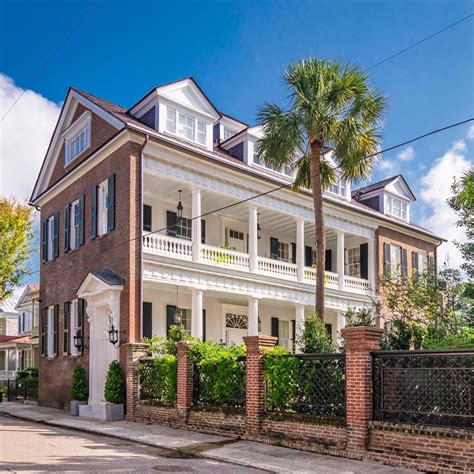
237	51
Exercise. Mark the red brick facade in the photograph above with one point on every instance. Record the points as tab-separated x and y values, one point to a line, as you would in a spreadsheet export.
118	251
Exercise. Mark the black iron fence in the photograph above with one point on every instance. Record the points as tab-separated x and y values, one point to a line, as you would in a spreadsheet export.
157	378
312	384
430	387
22	389
220	384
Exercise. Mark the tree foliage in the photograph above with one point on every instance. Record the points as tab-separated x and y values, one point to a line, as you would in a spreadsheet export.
315	337
114	390
332	112
462	202
16	237
79	390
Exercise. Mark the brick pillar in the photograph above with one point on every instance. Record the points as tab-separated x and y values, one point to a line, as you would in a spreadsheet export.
360	342
133	352
184	397
255	402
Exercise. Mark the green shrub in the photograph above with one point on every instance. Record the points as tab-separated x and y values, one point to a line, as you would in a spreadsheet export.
315	337
280	372
220	375
114	390
158	381
79	390
464	339
359	317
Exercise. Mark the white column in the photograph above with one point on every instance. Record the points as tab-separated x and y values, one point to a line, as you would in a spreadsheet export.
196	313
340	258
371	263
196	225
253	238
340	323
253	316
299	323
300	249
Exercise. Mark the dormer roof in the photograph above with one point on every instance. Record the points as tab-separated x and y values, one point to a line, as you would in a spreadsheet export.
396	184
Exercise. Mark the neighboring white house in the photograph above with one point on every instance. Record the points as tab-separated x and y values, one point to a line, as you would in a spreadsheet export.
19	346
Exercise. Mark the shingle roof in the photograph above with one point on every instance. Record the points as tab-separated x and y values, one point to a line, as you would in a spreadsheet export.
375	186
109	277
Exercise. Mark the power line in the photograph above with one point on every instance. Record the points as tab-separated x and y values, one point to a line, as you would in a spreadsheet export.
414	45
51	57
292	184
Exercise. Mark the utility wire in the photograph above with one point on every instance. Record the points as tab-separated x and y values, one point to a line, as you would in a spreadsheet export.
51	57
414	45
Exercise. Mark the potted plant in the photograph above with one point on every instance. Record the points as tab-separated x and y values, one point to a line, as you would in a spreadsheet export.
114	393
78	389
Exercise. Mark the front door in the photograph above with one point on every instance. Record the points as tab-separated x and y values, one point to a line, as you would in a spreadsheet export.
234	336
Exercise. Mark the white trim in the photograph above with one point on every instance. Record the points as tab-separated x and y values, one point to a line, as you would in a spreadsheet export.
82	125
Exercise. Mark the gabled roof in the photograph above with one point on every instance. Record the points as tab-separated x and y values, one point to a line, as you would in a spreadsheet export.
109	277
356	194
28	291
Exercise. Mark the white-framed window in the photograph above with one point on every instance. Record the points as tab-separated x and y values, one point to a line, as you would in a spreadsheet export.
353	262
236	234
256	158
184	228
50	334
284	333
185	126
102	196
50	238
339	188
26	322
284	251
186	319
228	133
75	221
74	326
396	207
77	137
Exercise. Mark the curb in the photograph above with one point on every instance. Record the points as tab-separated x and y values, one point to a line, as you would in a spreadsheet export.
186	451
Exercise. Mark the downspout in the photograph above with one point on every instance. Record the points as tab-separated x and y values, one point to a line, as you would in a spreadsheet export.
145	143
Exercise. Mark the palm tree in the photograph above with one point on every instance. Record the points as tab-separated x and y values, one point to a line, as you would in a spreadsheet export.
332	111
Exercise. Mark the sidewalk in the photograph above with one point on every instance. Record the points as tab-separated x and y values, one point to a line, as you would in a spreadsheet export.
244	453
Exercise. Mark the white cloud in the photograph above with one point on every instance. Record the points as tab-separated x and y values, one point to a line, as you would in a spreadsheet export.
24	137
386	167
435	190
406	154
470	132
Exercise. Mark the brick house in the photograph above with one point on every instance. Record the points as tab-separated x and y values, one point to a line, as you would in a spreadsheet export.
122	248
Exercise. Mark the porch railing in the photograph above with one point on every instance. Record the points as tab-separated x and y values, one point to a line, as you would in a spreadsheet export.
356	284
225	258
167	246
277	268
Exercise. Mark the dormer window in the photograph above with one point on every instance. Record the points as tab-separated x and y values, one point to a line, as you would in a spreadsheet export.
77	137
185	126
228	133
396	207
339	188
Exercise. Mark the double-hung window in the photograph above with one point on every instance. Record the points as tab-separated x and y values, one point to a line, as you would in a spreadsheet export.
50	331
50	238
338	188
77	138
283	251
185	126
395	261
103	207
102	192
284	333
74	213
353	262
396	207
75	325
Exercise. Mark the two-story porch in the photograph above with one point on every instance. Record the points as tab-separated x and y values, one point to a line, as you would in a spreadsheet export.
257	255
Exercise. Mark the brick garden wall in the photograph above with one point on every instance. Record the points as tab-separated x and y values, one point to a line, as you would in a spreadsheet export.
431	449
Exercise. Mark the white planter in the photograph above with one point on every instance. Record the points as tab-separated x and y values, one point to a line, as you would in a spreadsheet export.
75	407
114	412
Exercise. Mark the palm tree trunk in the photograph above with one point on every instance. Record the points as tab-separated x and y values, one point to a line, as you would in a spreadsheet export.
316	188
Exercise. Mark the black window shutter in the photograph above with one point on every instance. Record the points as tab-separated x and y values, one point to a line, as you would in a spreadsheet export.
387	263
67	227
111	203
42	322
293	252
275	327
404	260
203	324
44	240
147	320
329	329
80	319
328	260
171	223
147	225
170	309
56	234
55	329
67	325
308	256
273	248
203	231
364	261
293	334
93	232
80	228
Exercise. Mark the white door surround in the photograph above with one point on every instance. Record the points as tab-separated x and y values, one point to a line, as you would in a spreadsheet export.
103	308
